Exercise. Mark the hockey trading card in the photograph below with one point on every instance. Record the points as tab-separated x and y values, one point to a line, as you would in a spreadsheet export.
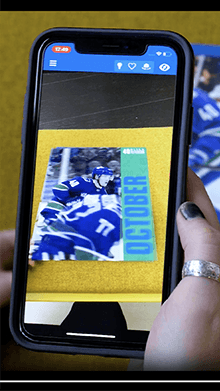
95	205
204	154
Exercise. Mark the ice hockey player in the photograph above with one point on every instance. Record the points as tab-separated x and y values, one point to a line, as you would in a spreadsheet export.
90	226
206	129
75	190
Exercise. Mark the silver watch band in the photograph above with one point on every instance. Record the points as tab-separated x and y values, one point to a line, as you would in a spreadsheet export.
200	268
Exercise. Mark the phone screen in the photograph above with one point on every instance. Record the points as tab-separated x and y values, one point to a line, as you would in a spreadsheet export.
101	186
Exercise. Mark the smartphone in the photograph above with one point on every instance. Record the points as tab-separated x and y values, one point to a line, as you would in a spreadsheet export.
105	139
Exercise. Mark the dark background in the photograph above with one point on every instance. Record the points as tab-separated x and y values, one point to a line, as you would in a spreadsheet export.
81	100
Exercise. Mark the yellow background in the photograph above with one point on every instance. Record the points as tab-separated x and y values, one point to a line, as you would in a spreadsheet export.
106	278
17	32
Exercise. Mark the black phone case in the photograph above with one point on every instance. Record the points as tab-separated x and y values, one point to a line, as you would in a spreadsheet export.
177	193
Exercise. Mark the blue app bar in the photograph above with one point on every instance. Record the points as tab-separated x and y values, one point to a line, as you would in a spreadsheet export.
63	57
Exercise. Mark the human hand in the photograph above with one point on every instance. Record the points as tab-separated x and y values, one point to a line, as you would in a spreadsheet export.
186	333
7	239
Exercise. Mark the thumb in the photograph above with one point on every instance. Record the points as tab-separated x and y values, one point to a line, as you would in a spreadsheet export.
198	238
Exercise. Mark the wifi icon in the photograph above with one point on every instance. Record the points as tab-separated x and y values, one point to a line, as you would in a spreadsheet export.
159	53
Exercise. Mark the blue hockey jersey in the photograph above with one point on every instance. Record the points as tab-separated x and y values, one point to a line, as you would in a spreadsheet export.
68	191
76	187
205	127
206	113
97	218
91	225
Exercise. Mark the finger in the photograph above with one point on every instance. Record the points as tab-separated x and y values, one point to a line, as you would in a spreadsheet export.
196	193
7	239
199	239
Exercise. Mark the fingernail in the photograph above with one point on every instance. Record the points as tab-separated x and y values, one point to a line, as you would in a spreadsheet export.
190	211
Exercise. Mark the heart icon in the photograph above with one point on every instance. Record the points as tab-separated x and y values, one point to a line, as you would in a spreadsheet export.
132	65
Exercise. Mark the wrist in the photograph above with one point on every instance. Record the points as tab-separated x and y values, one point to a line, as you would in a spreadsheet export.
200	294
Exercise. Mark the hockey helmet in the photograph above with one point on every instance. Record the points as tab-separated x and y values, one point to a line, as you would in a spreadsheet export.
102	171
